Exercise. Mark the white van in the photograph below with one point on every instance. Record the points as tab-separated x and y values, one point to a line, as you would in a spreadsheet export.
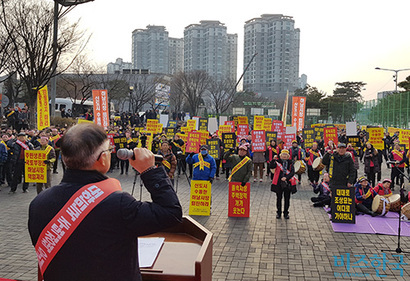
77	108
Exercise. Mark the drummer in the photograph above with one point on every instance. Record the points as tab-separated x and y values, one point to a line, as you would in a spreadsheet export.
364	196
296	153
270	153
383	188
311	155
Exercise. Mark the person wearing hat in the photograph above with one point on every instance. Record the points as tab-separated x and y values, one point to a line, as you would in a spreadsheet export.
241	165
383	188
19	146
325	195
204	165
283	182
364	196
296	154
311	155
340	167
51	158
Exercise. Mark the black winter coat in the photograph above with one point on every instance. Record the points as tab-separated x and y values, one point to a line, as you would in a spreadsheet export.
343	169
104	245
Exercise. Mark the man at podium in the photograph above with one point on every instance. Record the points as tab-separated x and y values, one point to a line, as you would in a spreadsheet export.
86	228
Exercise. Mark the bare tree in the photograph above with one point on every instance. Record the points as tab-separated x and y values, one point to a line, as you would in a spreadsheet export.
117	86
192	85
222	94
29	27
143	90
79	82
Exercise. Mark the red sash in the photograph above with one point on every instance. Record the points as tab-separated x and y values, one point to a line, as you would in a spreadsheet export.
64	223
23	145
276	175
326	186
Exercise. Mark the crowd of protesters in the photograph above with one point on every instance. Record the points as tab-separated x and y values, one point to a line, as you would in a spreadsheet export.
366	160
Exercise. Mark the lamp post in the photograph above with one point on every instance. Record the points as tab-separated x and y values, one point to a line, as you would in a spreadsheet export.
396	75
65	3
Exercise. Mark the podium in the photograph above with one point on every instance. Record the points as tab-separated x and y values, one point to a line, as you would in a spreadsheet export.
185	255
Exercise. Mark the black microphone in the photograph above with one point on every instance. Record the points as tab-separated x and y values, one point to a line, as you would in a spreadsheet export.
125	154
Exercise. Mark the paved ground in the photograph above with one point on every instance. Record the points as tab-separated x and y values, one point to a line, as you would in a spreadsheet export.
257	248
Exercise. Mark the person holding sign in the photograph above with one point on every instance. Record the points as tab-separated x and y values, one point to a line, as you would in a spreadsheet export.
97	223
284	182
204	166
51	158
241	163
18	147
398	157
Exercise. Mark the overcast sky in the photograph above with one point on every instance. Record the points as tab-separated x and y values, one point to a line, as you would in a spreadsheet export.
340	40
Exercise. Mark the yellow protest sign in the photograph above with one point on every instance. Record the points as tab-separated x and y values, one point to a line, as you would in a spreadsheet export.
200	198
242	120
159	128
267	124
152	125
376	137
35	170
404	137
43	113
191	124
392	130
80	120
258	122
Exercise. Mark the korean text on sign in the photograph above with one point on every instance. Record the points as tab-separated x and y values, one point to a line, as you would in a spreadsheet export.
239	198
343	206
200	198
35	170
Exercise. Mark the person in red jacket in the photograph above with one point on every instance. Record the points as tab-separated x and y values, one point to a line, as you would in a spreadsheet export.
383	188
397	171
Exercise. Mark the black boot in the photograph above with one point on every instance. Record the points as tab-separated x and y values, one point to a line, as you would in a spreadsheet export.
278	215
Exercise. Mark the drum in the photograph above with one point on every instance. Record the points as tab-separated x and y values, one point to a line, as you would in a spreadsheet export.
317	165
380	205
405	210
394	202
300	167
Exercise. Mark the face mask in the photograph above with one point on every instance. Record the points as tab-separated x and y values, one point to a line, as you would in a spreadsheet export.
204	152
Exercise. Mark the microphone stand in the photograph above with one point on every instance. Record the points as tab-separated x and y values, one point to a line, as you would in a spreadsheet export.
399	249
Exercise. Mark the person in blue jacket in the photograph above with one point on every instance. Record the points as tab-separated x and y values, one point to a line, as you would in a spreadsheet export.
364	196
204	165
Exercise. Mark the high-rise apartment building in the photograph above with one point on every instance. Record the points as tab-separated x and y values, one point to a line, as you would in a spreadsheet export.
150	49
176	55
275	68
208	47
118	66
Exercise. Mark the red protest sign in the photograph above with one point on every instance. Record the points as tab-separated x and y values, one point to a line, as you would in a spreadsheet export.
243	131
287	139
239	198
277	126
258	140
193	142
330	134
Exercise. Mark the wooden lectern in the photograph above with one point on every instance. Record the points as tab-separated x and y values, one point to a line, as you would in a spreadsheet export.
185	255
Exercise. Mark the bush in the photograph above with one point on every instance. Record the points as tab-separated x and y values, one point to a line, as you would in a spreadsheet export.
62	122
